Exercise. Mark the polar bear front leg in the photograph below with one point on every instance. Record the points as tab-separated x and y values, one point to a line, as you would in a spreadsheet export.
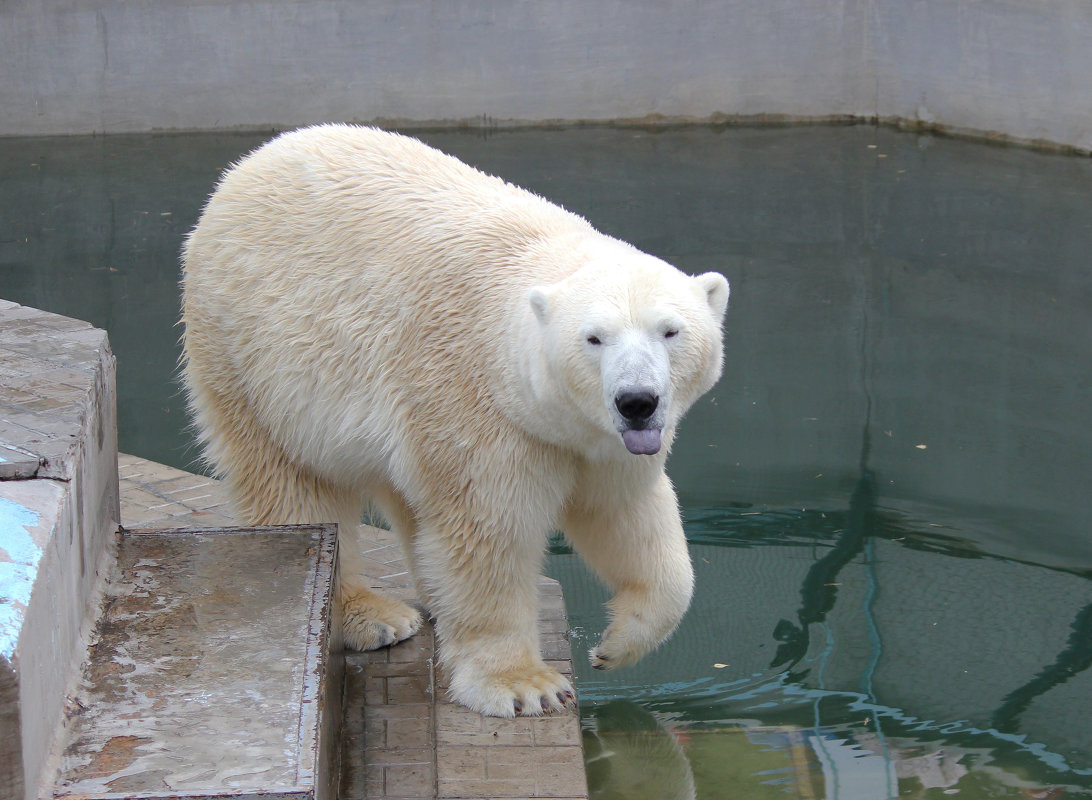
482	581
630	532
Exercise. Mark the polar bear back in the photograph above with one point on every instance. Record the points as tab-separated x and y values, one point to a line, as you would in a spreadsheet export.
337	192
337	240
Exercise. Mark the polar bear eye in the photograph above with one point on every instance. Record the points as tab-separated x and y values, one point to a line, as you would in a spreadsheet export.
670	333
594	340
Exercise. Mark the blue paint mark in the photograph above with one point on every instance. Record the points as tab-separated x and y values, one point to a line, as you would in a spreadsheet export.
17	571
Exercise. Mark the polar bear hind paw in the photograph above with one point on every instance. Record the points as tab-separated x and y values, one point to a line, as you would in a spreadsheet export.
373	621
528	692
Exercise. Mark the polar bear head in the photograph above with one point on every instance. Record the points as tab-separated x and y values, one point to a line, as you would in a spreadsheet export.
630	343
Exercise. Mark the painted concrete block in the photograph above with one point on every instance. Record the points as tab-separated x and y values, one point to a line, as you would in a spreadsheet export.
28	516
58	511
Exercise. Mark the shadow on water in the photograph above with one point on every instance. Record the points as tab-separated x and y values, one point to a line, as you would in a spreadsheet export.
1073	660
886	495
820	588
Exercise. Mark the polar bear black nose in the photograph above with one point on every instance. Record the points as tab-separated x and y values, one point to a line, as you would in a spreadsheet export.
636	406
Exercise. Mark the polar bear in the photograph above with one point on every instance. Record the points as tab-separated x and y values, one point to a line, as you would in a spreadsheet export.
366	317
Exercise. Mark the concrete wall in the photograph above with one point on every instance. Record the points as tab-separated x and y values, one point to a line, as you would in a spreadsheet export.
1016	67
58	512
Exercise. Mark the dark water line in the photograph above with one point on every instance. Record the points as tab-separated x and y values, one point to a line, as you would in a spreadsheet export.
1074	659
819	591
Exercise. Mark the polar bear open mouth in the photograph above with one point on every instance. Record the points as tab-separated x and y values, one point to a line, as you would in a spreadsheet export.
644	442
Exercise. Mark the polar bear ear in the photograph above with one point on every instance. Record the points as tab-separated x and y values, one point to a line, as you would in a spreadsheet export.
539	298
716	292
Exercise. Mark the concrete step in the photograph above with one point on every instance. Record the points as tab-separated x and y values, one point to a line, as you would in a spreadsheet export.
215	670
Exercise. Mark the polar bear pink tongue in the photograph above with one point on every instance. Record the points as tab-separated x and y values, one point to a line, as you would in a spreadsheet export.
642	443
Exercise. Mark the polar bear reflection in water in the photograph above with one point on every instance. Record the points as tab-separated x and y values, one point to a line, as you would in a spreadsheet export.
366	317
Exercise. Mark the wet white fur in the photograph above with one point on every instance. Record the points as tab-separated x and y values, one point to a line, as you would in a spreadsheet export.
367	317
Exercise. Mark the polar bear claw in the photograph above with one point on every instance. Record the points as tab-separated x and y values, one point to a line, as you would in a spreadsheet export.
526	690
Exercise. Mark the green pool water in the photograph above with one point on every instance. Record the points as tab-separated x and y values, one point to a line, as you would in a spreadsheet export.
886	494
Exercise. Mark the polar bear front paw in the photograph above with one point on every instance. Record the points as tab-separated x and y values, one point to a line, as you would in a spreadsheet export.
529	691
623	643
373	621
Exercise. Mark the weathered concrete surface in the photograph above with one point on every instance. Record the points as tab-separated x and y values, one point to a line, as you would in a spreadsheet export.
1015	68
109	66
215	669
58	506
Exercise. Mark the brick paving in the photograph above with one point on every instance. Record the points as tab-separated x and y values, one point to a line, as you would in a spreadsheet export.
402	738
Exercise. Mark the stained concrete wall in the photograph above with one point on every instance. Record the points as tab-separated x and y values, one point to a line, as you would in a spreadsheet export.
58	511
1015	67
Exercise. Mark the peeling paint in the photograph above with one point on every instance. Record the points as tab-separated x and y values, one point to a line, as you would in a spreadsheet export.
116	754
19	557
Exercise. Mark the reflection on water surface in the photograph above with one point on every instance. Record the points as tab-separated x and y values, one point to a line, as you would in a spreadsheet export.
886	493
823	661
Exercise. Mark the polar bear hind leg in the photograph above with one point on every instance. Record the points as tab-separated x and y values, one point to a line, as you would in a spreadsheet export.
270	489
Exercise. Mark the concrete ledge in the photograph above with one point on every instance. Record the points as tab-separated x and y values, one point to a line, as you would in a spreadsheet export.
216	670
58	509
